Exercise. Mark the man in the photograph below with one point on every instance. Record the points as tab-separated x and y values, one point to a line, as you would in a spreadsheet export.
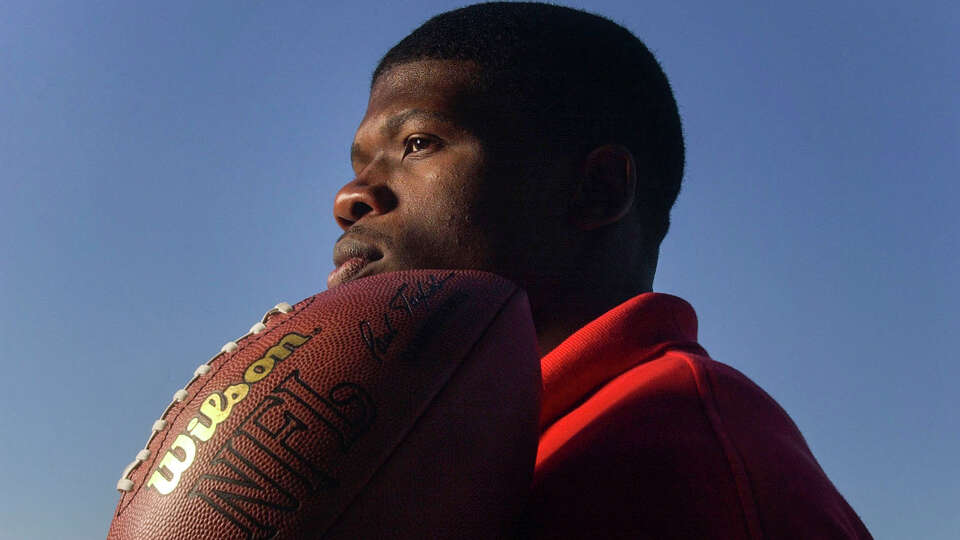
543	144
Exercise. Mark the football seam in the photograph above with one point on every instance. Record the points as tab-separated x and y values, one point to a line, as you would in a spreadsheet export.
209	377
417	420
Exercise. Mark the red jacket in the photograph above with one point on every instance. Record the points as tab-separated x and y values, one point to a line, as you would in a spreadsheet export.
644	436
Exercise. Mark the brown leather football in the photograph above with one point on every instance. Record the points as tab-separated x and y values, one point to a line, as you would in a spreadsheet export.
402	405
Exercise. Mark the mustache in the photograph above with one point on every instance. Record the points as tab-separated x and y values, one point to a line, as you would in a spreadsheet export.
365	232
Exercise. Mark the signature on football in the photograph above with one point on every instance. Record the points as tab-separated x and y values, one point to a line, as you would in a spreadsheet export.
405	299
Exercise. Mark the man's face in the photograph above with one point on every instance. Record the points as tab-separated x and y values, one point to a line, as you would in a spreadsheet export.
430	192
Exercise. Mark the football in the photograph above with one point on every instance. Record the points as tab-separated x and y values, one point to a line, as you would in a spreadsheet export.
401	405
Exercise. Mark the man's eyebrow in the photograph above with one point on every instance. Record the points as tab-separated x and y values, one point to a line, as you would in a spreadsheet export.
395	122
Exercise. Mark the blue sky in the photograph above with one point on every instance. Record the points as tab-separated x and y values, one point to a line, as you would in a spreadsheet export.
167	173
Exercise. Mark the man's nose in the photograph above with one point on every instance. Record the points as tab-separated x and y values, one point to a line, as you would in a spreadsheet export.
359	198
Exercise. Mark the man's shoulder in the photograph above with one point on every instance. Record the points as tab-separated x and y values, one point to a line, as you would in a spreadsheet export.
659	405
682	438
638	456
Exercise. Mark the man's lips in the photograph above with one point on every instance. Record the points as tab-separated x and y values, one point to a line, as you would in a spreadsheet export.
350	256
350	248
349	269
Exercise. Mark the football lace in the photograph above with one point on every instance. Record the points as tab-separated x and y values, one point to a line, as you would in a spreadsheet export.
125	484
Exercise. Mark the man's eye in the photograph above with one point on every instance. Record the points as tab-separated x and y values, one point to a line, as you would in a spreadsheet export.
418	144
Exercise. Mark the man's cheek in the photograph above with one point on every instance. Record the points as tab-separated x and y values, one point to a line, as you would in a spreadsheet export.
415	245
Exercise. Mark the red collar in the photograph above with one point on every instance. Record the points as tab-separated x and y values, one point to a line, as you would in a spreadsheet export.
632	333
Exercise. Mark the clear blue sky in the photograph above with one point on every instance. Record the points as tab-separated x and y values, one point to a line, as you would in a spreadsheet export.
167	172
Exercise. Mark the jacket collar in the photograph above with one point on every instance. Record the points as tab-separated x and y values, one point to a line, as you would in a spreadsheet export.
632	333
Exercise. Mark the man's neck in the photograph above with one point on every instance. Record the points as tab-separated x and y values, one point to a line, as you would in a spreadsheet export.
558	320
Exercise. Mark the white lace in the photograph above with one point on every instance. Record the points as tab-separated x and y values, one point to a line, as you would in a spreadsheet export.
125	484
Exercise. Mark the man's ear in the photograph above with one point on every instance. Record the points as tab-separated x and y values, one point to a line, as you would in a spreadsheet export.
607	188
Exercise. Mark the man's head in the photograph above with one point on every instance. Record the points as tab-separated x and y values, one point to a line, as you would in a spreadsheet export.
534	141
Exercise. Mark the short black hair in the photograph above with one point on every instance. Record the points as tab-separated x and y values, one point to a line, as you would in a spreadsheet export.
584	80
